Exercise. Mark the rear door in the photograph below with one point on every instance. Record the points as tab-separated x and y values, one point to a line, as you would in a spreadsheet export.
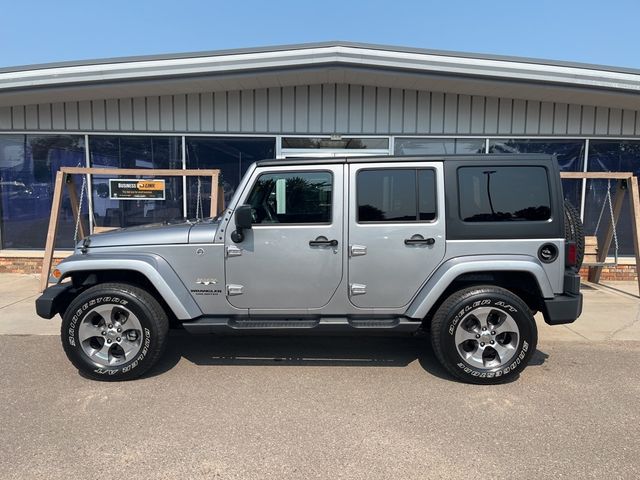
396	230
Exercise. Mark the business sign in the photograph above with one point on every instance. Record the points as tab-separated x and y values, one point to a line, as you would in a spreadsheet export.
136	189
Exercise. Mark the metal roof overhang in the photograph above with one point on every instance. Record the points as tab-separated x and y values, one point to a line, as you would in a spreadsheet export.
323	63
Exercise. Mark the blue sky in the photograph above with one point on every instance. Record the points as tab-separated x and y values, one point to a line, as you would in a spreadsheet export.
583	31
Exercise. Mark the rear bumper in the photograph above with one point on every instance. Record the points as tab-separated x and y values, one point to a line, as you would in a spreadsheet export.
567	307
52	299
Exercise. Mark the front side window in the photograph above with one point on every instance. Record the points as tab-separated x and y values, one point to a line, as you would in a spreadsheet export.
503	194
396	195
292	197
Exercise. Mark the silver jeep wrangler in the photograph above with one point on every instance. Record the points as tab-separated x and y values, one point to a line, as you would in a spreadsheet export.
466	248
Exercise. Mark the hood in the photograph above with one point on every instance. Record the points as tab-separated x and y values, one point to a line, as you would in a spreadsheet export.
151	234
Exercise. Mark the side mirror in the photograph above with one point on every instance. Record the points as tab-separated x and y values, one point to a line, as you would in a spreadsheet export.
243	219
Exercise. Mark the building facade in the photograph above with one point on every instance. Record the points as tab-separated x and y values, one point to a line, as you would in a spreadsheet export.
227	109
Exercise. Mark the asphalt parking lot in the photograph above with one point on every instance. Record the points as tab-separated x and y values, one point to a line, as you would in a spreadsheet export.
324	407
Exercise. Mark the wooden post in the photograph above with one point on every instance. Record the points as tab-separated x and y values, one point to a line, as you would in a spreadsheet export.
603	250
53	229
635	218
214	195
76	208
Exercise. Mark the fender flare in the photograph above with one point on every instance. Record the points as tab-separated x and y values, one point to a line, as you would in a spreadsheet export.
155	268
433	289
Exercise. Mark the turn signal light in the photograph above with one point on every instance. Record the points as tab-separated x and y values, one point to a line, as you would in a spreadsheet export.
57	273
572	254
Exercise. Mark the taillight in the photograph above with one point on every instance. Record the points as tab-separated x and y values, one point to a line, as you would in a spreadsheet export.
572	254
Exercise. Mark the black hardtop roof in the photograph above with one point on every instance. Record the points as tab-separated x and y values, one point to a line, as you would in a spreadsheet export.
479	157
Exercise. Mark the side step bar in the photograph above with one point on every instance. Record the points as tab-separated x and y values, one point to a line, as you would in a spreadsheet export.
299	325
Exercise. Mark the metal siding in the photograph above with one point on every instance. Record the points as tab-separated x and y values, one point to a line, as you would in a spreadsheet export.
588	120
519	117
574	119
44	117
628	122
437	113
113	114
424	112
396	110
99	115
546	118
153	113
126	115
288	109
355	108
315	108
5	118
602	121
166	113
247	108
220	111
31	117
615	121
369	110
302	110
139	114
464	114
477	114
450	113
180	112
342	108
560	119
382	110
275	109
57	116
410	111
206	112
193	112
505	116
261	110
328	108
17	117
491	115
84	110
532	125
234	111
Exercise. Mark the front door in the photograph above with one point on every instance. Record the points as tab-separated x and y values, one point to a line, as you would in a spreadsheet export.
396	230
291	258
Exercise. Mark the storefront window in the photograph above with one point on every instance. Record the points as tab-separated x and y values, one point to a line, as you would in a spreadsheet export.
438	146
570	154
28	166
232	155
610	156
135	152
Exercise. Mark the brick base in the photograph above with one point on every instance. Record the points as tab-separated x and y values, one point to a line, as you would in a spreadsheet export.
618	272
29	265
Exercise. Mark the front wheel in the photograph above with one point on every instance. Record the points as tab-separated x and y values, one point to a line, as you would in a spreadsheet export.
114	331
484	334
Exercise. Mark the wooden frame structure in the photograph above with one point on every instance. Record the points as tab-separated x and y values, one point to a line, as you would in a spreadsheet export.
625	181
64	177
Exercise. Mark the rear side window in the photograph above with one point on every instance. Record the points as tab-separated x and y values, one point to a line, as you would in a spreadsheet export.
396	195
292	197
503	194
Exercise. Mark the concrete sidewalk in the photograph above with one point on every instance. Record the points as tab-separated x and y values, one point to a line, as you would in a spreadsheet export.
611	312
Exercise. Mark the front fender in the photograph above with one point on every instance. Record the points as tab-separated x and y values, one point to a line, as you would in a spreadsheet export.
452	269
152	266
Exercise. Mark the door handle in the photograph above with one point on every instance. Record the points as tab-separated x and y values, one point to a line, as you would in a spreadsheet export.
323	242
419	240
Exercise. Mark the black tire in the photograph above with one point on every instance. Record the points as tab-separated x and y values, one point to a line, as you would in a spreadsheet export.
150	339
501	304
573	231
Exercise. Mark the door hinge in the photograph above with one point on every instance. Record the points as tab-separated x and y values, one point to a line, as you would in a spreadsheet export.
357	289
357	250
233	251
234	289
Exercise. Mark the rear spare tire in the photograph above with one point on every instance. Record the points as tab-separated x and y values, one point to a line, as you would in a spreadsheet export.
573	231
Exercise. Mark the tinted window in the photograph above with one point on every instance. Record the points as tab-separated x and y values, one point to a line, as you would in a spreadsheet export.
396	195
292	197
499	194
438	146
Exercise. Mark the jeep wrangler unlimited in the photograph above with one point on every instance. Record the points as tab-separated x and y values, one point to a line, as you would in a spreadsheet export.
467	248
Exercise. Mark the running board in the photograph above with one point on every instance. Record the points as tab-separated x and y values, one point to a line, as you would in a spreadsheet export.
298	325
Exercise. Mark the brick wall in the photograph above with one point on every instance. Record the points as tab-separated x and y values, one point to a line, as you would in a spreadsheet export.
23	264
618	272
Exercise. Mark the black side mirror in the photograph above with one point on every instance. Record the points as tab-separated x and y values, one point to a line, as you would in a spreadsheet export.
243	220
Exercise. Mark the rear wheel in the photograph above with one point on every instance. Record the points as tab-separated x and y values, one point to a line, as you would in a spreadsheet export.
114	331
484	334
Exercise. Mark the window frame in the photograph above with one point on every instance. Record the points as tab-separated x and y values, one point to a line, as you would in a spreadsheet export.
417	196
280	225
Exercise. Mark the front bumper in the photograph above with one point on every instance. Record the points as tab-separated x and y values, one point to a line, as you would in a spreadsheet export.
567	307
53	299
